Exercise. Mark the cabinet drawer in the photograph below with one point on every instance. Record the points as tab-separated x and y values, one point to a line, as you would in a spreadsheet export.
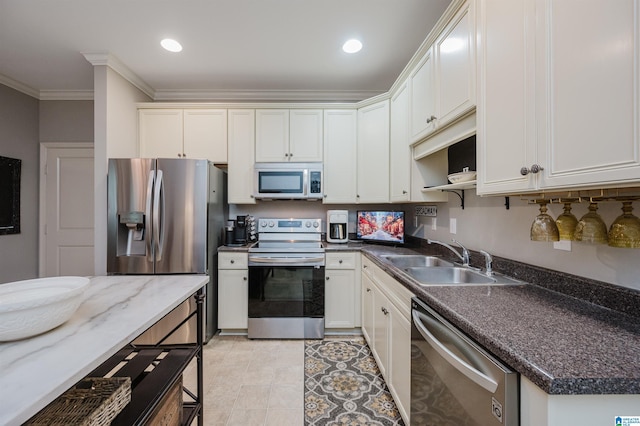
233	260
340	260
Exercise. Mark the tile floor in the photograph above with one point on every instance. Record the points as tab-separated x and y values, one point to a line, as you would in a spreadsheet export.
252	382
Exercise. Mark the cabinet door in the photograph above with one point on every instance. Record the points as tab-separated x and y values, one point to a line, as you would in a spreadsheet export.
399	149
205	134
455	67
340	298
233	298
241	156
305	135
160	133
272	135
340	156
506	134
423	98
589	84
367	309
373	153
400	361
381	330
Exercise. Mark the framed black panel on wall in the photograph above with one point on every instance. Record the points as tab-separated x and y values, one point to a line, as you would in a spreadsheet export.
9	195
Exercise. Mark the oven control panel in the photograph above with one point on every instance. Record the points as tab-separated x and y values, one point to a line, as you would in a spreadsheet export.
290	225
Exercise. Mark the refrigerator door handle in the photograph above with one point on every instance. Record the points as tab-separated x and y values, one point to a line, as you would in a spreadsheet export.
158	215
148	215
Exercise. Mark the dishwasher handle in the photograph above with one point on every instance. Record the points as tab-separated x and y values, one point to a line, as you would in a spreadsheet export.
459	364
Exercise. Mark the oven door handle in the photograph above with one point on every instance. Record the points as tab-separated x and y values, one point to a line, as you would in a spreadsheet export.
293	261
462	366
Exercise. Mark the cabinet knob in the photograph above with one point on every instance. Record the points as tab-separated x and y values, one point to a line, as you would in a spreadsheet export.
184	155
340	261
384	310
535	168
232	261
244	278
325	195
179	155
290	154
368	290
327	278
430	119
404	192
286	154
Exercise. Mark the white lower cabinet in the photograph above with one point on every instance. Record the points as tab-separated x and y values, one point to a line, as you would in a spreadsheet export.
342	290
386	325
233	290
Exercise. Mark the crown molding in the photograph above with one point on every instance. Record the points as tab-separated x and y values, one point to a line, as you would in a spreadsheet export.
264	95
20	87
105	58
66	95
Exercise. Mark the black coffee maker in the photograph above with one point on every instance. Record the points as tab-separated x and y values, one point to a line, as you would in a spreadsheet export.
240	230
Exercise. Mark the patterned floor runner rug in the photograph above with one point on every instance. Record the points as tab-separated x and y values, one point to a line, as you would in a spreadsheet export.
343	386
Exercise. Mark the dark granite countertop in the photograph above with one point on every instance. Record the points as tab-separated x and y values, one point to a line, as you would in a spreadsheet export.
564	345
558	332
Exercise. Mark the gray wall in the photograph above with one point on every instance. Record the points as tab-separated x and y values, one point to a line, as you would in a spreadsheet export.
19	139
24	123
66	121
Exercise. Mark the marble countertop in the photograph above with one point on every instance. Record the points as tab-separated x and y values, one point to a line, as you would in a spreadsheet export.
564	345
116	309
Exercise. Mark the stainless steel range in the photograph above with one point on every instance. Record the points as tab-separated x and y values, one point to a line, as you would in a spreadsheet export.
286	280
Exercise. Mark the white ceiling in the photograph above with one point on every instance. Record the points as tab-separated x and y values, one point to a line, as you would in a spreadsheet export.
291	48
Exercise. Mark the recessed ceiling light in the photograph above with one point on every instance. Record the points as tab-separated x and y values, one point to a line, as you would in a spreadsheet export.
352	46
171	45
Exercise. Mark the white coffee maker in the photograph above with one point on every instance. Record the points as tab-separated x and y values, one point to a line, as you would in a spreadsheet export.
337	226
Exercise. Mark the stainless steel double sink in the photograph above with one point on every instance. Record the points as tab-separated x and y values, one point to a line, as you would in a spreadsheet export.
433	271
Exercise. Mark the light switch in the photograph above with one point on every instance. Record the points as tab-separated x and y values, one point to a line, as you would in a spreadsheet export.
452	225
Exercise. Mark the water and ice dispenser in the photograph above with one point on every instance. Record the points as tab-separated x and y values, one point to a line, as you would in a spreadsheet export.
131	232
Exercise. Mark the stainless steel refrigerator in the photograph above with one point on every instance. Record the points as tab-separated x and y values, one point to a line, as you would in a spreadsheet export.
165	216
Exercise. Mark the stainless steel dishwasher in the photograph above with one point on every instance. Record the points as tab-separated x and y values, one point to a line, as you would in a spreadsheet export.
453	380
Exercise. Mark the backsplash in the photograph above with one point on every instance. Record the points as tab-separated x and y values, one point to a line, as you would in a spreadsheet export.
617	298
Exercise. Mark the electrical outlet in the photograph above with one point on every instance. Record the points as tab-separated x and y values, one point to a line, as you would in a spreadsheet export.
452	226
430	211
562	245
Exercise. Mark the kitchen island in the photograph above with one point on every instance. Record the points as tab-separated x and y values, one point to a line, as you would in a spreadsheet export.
115	310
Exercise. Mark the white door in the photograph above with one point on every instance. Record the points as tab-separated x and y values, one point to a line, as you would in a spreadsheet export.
67	198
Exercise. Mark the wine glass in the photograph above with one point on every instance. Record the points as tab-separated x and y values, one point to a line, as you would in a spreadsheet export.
625	230
544	227
566	223
591	227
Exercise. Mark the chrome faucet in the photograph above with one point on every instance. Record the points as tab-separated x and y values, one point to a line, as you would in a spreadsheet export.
488	263
465	253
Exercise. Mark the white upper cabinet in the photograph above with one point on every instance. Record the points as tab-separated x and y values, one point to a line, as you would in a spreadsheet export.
373	153
559	104
205	133
399	149
455	68
423	98
340	156
241	156
442	84
183	133
288	135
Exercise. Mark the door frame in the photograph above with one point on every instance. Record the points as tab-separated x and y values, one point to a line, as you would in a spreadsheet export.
42	209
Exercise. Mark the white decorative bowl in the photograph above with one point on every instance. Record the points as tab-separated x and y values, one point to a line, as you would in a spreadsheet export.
461	177
32	307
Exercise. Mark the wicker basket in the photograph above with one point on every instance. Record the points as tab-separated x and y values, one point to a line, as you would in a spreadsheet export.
94	401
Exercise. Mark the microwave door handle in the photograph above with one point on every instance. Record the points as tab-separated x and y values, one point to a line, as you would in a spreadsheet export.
305	183
149	215
462	366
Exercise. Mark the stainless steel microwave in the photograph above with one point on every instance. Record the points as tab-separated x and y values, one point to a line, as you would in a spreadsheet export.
288	181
